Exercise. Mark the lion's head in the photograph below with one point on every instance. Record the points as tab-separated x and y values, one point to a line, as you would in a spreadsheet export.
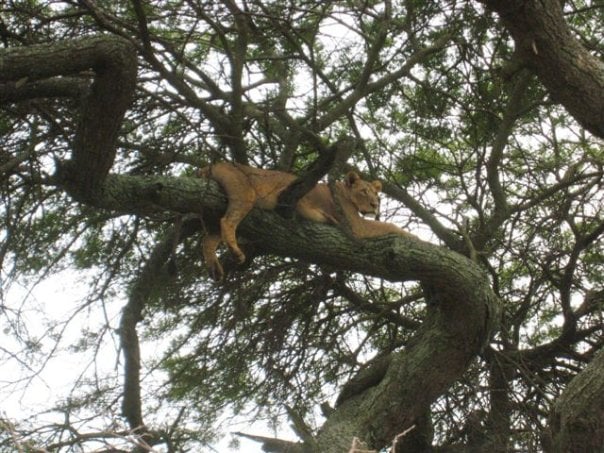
364	195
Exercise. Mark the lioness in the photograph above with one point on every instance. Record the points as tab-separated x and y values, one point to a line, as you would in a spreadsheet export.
249	187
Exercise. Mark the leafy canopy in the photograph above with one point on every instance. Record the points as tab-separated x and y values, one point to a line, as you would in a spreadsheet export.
474	154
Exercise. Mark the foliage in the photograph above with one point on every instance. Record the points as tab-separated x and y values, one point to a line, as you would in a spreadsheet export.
475	156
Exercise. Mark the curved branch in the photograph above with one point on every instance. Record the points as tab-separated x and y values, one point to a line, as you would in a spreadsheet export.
573	76
463	311
113	61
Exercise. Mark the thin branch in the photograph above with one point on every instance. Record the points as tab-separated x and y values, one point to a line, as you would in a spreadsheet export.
152	275
273	445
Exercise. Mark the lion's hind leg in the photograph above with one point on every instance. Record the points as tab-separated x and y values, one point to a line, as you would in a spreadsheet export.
241	197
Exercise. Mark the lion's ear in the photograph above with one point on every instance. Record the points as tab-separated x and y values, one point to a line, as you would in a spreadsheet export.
351	178
377	185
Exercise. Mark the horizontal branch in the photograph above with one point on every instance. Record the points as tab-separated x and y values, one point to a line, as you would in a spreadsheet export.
462	314
57	87
113	64
418	260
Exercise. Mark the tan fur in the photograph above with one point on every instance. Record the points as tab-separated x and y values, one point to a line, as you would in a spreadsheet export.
249	187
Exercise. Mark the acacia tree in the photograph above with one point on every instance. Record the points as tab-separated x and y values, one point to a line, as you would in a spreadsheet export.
464	341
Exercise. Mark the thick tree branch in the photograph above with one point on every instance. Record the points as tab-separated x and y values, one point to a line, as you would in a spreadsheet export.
463	313
573	76
113	62
57	87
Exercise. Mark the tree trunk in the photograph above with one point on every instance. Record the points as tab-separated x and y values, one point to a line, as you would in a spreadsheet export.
577	420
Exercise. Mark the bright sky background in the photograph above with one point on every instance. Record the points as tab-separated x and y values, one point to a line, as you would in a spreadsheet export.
57	297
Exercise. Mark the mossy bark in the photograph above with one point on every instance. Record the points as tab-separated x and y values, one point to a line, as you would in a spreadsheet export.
577	420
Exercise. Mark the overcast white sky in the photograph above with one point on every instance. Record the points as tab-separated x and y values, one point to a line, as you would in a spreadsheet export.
22	396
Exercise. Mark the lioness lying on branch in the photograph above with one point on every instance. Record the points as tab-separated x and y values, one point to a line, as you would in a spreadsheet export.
248	187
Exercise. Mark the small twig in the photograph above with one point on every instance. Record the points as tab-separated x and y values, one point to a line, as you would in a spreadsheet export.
359	446
400	436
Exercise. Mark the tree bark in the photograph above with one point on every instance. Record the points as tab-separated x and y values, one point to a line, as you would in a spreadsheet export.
102	109
577	420
573	76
